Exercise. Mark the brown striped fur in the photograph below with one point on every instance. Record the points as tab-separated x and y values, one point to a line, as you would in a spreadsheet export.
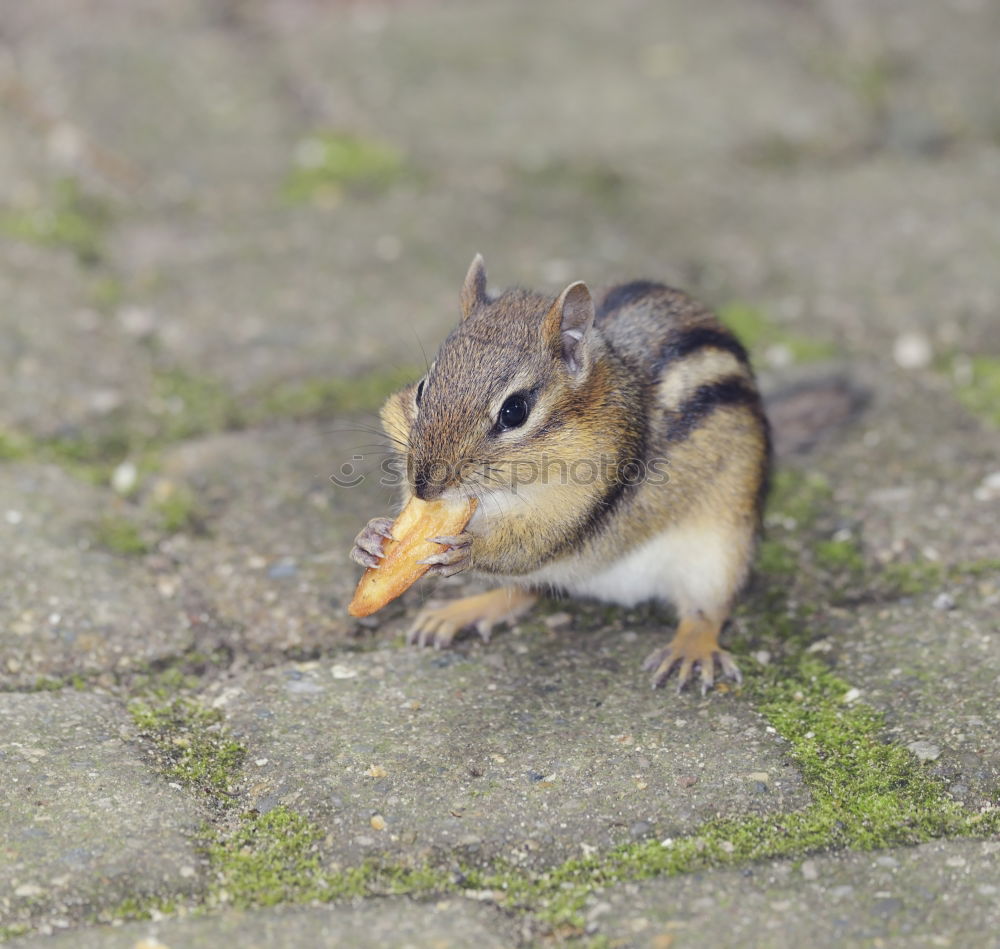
656	376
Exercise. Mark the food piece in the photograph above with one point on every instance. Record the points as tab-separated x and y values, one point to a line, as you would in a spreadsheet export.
399	569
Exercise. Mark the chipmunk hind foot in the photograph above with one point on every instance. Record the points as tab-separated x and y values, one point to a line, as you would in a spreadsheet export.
437	625
695	646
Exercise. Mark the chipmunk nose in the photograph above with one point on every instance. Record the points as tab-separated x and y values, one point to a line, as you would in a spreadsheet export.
426	487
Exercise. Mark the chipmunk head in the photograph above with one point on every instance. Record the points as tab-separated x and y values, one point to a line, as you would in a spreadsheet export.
512	384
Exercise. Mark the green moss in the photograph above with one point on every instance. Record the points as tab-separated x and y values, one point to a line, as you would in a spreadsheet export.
13	930
866	794
327	397
329	163
178	511
758	332
979	390
106	292
774	557
192	744
134	908
91	453
190	405
840	555
182	406
909	578
67	217
120	536
13	446
276	858
798	498
271	858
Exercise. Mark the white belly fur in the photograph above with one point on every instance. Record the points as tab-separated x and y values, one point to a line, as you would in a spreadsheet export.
690	566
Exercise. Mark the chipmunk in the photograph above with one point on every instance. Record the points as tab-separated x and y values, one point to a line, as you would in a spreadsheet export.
619	450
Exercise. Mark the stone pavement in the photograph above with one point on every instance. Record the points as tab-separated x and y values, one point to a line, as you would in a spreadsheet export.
228	230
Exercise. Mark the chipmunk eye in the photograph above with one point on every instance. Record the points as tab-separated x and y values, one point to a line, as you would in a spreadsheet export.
514	411
420	391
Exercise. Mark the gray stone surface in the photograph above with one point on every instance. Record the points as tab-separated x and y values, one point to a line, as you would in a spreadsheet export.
936	673
272	564
84	822
63	364
401	923
909	488
538	747
939	894
69	607
835	164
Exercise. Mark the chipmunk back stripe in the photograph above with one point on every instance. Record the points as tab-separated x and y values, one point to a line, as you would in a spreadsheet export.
686	341
626	294
733	390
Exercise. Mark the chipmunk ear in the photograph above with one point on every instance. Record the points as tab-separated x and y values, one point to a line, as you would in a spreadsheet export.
474	288
567	322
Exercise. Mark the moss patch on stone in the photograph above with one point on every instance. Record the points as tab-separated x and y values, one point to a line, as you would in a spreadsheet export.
177	509
269	859
760	333
191	745
65	216
910	578
313	398
13	446
977	385
189	405
119	535
328	164
840	554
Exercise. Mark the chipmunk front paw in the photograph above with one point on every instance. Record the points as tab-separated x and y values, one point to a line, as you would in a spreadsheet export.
453	559
367	549
438	625
695	645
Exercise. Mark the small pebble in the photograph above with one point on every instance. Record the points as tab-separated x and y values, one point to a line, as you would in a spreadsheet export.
13	517
851	695
558	620
640	829
378	822
282	570
124	477
912	350
989	488
136	321
925	750
809	870
944	601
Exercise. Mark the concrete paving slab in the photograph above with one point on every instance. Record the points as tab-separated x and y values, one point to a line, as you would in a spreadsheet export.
938	894
273	564
538	747
386	922
84	822
70	607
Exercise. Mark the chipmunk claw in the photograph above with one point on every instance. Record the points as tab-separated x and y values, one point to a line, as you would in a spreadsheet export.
695	647
453	559
367	549
438	623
